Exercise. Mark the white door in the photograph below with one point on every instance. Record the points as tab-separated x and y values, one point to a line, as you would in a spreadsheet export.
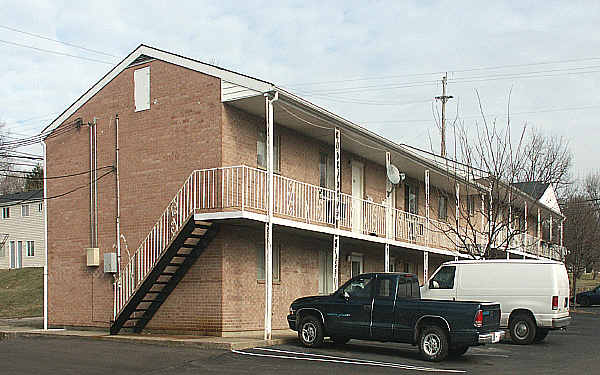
356	265
326	271
357	195
13	254
19	254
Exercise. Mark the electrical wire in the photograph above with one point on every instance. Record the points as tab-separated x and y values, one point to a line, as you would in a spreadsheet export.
51	177
57	41
283	106
54	52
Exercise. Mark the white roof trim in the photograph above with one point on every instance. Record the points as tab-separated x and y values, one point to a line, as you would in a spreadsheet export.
236	78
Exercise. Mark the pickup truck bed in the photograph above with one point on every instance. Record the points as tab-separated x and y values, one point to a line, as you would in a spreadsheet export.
387	307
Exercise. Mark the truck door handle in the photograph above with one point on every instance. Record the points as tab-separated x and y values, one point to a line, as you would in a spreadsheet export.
367	307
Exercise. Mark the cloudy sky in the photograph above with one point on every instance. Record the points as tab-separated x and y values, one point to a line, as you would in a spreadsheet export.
376	63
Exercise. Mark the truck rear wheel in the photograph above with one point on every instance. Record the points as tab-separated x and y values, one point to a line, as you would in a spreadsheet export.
433	343
310	332
522	329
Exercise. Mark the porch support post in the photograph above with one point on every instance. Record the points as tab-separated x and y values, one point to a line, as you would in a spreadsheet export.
336	237
389	189
386	263
269	224
561	232
425	267
427	205
457	213
525	234
539	231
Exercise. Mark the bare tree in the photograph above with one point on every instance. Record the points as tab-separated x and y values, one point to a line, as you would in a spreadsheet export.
489	160
582	227
8	184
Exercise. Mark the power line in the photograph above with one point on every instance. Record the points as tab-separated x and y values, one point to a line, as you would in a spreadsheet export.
57	41
52	177
55	52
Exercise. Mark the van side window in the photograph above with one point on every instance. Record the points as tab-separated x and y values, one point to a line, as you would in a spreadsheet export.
444	279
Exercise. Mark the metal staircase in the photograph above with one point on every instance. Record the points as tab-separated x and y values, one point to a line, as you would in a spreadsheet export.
193	238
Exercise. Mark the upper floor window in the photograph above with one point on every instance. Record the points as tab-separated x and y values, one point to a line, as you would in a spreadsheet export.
471	204
325	171
261	150
411	198
25	210
443	207
5	212
141	81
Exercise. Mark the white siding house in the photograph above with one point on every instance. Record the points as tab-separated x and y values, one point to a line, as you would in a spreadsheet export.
22	230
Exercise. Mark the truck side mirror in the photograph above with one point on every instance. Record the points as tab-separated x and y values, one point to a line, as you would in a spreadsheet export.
346	296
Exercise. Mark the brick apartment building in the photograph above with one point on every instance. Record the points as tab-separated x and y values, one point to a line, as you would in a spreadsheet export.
188	212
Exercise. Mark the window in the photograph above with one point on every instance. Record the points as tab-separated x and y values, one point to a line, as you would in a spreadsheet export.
361	287
2	250
141	81
25	210
443	207
261	150
392	264
386	288
260	259
471	205
408	288
411	198
356	265
5	212
30	249
40	207
443	279
326	271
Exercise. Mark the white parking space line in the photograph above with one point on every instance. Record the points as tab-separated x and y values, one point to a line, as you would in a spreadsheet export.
333	359
489	355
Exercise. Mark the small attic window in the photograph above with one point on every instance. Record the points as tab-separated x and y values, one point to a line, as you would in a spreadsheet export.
141	80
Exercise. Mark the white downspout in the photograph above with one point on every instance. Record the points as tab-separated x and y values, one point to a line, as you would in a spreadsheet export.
118	220
45	206
95	183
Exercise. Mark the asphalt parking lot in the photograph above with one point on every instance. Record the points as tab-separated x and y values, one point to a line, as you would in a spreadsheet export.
574	350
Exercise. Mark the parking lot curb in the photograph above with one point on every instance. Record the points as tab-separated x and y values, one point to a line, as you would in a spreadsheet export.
206	343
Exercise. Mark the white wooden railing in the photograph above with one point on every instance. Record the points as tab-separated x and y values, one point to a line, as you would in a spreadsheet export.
243	188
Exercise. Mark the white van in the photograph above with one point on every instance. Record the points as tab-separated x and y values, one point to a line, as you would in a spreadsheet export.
533	294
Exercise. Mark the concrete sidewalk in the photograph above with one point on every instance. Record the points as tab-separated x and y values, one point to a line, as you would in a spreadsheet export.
17	329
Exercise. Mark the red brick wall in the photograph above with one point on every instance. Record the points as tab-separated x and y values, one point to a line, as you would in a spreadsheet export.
158	149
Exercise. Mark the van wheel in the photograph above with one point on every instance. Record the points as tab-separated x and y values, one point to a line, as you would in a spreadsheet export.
541	334
522	329
457	351
311	332
433	343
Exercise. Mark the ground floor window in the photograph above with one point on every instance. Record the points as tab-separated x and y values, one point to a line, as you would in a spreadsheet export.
356	265
260	262
326	271
30	249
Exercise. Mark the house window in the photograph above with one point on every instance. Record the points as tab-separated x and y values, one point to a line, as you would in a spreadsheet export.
260	262
40	207
471	205
13	255
30	249
443	208
2	250
141	80
25	210
326	271
261	150
411	198
5	212
356	265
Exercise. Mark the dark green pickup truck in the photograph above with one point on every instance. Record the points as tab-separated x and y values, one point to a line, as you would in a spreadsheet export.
388	307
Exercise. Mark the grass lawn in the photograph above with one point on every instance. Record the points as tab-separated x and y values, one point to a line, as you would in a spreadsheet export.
21	293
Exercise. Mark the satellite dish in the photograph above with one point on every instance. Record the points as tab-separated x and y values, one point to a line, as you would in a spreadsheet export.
393	174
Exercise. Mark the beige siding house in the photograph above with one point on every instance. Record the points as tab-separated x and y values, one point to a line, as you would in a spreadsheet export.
22	230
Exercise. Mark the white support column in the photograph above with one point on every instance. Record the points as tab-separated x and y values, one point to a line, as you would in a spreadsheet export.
389	222
525	234
509	236
539	231
561	232
336	238
550	239
457	213
386	263
482	216
425	267
427	205
269	225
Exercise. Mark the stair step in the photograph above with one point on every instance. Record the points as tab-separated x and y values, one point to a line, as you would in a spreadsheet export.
154	291
203	224
175	264
134	318
168	274
188	246
161	282
149	300
136	310
199	236
182	255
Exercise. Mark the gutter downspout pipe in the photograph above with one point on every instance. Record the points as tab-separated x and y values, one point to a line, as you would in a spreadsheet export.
118	219
45	207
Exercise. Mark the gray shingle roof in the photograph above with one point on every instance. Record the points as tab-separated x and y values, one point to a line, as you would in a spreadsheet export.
24	196
533	188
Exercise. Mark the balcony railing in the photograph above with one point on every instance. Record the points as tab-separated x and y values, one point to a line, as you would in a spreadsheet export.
245	188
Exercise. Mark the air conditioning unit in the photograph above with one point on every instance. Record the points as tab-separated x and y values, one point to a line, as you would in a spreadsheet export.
93	256
110	262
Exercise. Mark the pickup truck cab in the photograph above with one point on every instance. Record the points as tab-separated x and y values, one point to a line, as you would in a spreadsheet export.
388	307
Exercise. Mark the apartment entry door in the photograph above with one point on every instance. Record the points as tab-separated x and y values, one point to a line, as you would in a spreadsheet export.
358	179
16	255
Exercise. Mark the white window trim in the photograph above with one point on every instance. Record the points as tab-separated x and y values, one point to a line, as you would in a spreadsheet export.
141	94
25	209
27	248
356	257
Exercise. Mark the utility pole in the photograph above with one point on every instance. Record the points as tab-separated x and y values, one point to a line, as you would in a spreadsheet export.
444	98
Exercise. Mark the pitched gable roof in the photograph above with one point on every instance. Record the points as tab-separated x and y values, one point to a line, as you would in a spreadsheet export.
534	189
21	197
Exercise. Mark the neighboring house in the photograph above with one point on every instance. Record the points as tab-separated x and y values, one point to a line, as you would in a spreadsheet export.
193	183
22	230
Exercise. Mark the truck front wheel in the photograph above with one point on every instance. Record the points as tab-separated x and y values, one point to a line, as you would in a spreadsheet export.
433	343
311	332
